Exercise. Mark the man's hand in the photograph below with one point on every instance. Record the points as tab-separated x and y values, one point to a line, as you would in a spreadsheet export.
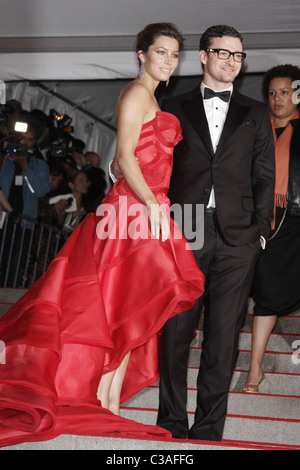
21	160
115	169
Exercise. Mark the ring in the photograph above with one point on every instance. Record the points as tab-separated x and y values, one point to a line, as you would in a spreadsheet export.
157	223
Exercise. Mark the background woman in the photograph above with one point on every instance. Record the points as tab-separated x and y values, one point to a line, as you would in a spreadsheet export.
79	184
277	281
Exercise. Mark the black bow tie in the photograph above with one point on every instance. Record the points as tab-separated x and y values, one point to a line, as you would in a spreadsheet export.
223	95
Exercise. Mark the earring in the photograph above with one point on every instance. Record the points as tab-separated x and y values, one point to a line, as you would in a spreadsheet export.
167	82
141	72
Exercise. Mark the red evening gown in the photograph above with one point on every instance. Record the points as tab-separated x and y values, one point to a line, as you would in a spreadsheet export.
109	290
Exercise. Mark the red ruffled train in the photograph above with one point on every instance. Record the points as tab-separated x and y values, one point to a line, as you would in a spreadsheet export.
99	299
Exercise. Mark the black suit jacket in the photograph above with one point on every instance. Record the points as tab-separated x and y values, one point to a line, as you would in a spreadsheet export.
242	169
293	205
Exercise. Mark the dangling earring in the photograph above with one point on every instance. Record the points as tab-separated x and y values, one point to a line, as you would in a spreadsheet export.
167	82
141	72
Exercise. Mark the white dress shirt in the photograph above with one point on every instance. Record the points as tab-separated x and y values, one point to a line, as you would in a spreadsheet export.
216	112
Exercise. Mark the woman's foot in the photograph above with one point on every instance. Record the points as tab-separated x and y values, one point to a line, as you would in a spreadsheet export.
110	386
253	382
114	407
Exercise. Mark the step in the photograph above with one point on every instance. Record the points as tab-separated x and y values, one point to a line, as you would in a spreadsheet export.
289	324
239	404
112	446
11	295
239	429
274	384
280	342
4	308
240	432
272	361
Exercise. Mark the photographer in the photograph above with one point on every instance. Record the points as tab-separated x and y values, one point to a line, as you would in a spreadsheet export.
23	178
59	153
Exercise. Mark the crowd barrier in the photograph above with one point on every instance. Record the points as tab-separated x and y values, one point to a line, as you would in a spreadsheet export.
27	247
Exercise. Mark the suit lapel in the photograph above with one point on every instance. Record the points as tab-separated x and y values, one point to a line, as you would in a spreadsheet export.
194	110
235	116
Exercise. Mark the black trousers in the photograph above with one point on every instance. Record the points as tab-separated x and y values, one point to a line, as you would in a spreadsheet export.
229	273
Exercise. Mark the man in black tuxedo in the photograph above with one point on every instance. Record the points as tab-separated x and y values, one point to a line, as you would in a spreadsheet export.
226	163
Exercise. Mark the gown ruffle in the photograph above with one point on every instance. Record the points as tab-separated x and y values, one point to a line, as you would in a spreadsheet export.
110	290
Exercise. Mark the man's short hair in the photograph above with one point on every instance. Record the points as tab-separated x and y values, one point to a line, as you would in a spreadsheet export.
217	31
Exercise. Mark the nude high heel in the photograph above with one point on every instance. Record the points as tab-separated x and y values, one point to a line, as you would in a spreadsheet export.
253	388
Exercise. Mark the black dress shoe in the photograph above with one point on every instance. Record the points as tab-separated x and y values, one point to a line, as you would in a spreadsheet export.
193	435
176	434
179	436
176	429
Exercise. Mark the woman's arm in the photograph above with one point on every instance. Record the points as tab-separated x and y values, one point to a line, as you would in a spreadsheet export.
135	107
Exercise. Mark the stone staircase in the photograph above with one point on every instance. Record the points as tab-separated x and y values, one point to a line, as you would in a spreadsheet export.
269	420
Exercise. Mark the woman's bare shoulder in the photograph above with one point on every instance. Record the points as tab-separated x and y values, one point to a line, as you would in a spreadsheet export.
135	94
135	88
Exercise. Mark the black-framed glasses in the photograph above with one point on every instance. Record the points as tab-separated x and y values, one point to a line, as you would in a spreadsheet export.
223	54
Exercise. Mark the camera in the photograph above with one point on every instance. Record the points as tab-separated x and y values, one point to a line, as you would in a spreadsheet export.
57	150
60	153
63	121
15	147
17	150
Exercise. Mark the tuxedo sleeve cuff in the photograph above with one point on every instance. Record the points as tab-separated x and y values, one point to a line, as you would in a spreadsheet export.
263	242
112	176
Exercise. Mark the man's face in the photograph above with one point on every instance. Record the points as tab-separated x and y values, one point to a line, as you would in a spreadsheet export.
29	139
219	74
55	181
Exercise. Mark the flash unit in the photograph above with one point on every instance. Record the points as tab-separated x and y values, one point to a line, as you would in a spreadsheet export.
21	126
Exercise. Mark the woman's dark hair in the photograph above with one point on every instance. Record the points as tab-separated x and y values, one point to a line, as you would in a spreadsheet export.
71	179
217	31
148	35
73	175
279	71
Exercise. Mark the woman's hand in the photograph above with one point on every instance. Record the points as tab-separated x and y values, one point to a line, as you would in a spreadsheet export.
61	205
159	222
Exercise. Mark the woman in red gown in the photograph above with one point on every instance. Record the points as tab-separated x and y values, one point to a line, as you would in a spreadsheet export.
86	335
